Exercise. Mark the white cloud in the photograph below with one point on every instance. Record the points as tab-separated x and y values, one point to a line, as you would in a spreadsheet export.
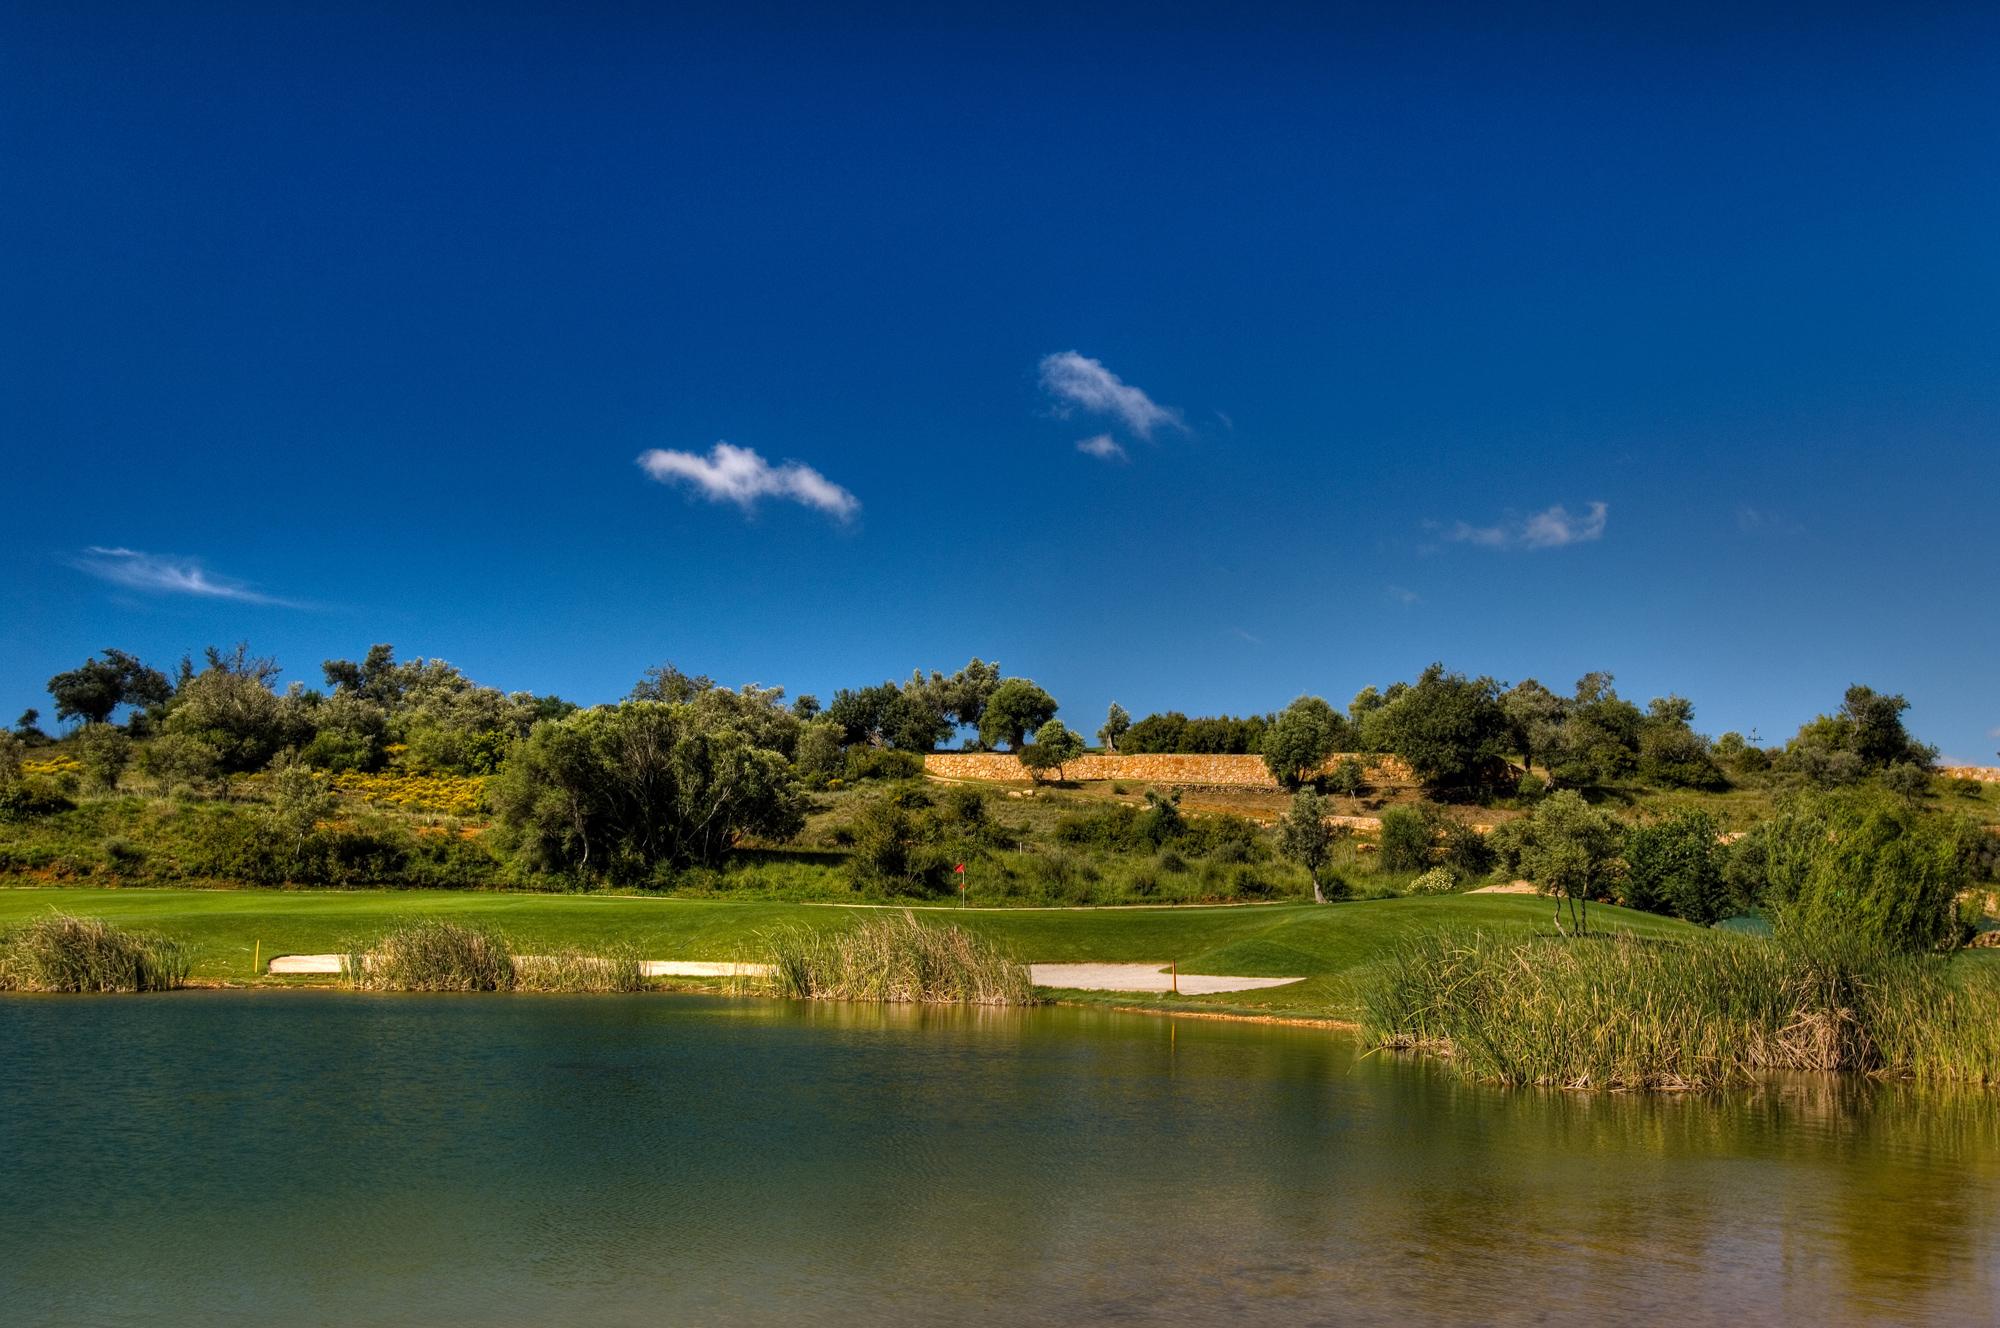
1078	382
731	474
1402	594
161	574
1552	528
1104	447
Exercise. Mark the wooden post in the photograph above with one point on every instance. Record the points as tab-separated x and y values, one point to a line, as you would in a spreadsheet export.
1177	975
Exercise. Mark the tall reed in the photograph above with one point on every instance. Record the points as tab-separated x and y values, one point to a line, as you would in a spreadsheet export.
580	971
1624	1012
64	953
897	958
434	955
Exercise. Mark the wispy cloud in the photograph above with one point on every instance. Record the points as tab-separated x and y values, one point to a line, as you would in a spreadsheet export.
1402	594
164	574
1553	528
1104	447
1242	635
731	474
1078	382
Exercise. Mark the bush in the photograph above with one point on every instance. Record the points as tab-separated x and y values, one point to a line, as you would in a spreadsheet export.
1674	866
1409	836
1347	778
435	955
864	762
1436	881
105	752
897	958
1866	867
1530	787
64	953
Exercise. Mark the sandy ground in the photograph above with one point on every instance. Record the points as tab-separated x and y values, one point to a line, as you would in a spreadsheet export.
1511	888
1083	977
1142	977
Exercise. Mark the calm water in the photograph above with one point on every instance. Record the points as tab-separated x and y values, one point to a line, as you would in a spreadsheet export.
305	1158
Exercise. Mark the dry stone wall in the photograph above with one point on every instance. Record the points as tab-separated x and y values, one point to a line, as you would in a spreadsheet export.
1985	774
1215	771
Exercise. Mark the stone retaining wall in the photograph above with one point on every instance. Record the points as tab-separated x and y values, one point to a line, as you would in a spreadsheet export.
1218	771
1985	774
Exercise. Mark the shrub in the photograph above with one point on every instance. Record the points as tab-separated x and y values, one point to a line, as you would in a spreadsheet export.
1436	881
1530	787
104	752
1409	836
435	955
64	953
1347	778
897	958
864	762
1673	866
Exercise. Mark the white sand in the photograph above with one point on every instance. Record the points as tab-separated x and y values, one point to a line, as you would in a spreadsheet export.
1143	977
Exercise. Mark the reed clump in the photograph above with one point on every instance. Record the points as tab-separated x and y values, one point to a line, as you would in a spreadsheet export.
435	955
71	954
897	958
1621	1012
580	971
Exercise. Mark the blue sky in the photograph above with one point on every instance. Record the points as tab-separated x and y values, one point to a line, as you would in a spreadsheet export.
1668	347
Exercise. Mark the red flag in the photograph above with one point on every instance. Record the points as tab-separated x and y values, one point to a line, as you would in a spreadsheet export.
960	869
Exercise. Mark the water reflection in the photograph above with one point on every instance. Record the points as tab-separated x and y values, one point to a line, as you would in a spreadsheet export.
225	1158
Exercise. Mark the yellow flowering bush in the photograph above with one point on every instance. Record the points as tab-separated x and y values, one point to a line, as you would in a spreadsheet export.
442	795
50	766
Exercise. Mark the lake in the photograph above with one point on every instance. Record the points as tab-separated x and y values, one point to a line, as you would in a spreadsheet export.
316	1157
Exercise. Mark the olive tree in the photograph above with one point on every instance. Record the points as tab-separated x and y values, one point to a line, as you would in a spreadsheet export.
1054	747
1307	837
1300	739
1571	851
621	791
1014	711
1116	724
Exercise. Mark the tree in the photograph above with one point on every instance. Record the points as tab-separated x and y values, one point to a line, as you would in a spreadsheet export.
1307	837
1534	719
1299	741
104	752
966	693
1861	868
1908	780
889	716
1014	711
1053	748
621	791
1673	865
817	755
1671	753
1864	736
230	707
300	800
1116	724
665	682
1449	728
1600	735
99	686
177	760
28	728
1571	851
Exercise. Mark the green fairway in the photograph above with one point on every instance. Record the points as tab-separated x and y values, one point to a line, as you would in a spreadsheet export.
1326	944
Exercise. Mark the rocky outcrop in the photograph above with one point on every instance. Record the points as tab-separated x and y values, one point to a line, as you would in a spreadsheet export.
1204	771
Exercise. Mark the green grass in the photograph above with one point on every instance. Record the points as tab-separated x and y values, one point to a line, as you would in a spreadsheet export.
1701	1011
61	953
1331	946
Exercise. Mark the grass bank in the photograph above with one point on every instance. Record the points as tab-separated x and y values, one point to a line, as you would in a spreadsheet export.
227	932
1691	1012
